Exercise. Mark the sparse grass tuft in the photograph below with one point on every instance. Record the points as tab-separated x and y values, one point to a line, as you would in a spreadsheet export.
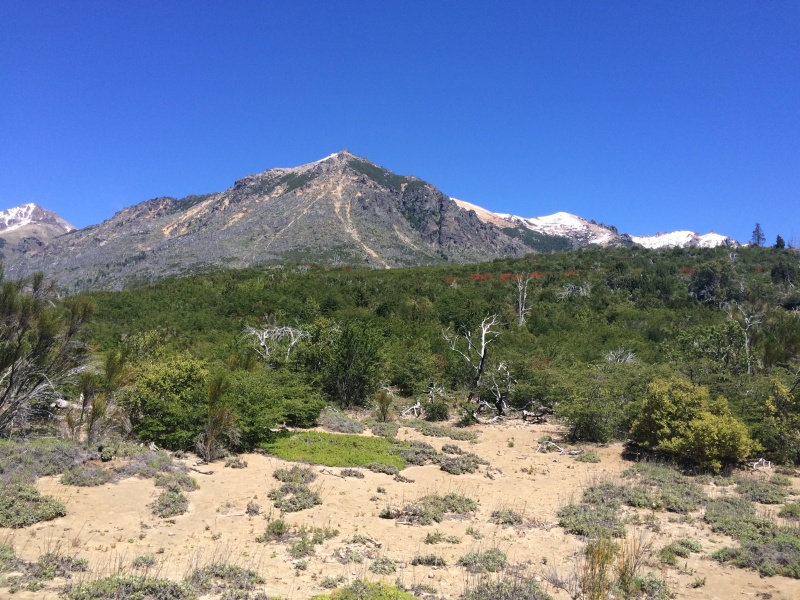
176	482
506	516
428	560
235	462
383	566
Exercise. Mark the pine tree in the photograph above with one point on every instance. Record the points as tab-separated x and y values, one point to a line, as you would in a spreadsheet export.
758	238
779	243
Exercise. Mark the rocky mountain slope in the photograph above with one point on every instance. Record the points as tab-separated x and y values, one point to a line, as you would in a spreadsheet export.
339	210
578	232
342	209
28	228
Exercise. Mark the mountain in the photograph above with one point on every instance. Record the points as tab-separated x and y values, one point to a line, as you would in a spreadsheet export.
578	232
26	228
342	209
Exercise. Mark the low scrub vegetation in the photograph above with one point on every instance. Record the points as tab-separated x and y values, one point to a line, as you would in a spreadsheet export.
333	450
22	505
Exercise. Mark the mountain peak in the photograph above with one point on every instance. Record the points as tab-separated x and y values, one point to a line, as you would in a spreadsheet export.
23	215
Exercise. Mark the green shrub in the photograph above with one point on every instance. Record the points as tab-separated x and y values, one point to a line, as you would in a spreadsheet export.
365	590
219	577
276	529
176	482
417	453
145	561
790	511
380	467
433	508
26	461
428	560
294	497
679	548
295	475
506	516
777	556
669	489
8	559
466	462
508	587
387	430
235	462
682	419
436	409
170	504
53	564
588	457
351	473
428	429
150	464
491	561
117	587
590	521
86	476
335	420
737	518
383	566
22	505
764	492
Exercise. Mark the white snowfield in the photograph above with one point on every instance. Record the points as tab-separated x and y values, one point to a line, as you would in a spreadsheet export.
27	214
563	224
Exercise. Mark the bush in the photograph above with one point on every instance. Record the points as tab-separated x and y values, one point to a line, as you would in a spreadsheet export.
25	462
463	463
379	467
433	508
236	462
682	419
219	577
333	450
428	429
176	482
428	560
295	475
679	548
790	511
335	420
383	566
22	505
294	497
117	587
590	521
170	504
436	409
86	476
491	561
351	473
507	588
506	516
387	430
764	492
365	590
588	457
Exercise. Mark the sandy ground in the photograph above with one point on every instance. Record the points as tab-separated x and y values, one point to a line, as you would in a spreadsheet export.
112	524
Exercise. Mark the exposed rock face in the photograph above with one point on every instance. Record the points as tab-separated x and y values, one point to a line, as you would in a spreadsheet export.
26	230
340	210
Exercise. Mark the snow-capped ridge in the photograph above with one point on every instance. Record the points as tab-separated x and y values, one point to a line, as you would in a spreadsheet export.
17	217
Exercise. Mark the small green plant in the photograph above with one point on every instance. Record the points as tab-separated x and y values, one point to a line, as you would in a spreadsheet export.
22	505
352	473
428	560
434	537
433	508
145	561
506	587
176	482
296	474
379	467
383	566
590	521
224	578
386	430
466	462
235	462
471	531
790	510
506	516
276	529
330	583
294	497
681	548
119	586
764	492
86	476
383	406
252	509
335	420
365	590
588	457
452	449
170	504
490	561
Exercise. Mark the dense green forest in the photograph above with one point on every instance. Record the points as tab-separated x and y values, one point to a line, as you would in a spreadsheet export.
688	351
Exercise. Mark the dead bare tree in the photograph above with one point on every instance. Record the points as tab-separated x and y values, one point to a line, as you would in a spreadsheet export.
750	320
473	347
271	339
521	284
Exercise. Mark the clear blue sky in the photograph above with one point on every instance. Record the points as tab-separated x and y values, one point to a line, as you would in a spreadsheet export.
651	116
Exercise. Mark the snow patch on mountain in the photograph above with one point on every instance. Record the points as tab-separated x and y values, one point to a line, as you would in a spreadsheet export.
684	239
30	214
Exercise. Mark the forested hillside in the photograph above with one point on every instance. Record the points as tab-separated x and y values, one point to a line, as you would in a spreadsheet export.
704	338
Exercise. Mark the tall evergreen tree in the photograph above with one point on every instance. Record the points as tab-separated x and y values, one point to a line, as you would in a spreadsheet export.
758	238
779	243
